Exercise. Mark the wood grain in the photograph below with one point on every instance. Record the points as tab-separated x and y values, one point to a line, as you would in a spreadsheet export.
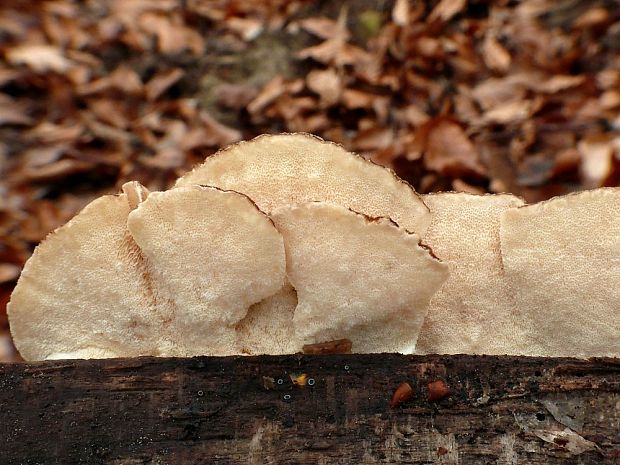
229	410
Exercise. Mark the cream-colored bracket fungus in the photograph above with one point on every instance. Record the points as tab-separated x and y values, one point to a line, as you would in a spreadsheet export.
213	254
173	277
336	255
473	312
356	277
289	169
268	326
562	260
84	293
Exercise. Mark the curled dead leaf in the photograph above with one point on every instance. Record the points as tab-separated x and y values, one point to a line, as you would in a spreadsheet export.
596	160
327	84
162	81
495	55
448	150
40	58
54	170
446	9
8	272
400	12
271	91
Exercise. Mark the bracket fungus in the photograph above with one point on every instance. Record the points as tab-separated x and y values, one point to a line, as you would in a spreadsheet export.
84	293
171	277
288	243
361	278
212	254
473	312
289	169
268	326
562	259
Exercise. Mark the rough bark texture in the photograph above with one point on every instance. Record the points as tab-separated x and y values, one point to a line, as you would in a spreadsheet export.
500	410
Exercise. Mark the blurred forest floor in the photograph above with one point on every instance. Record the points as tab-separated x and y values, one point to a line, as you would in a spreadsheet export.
477	96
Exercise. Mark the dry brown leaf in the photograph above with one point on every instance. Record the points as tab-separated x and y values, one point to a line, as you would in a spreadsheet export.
336	52
272	90
8	272
554	433
219	135
109	111
172	35
414	115
194	138
433	88
340	346
496	91
292	107
461	186
608	78
374	138
325	28
42	155
247	28
40	58
54	170
45	215
448	150
566	161
12	112
7	350
235	96
8	75
495	56
166	158
50	133
105	131
593	17
353	98
596	160
400	12
428	47
122	78
446	9
557	83
610	100
161	82
510	112
327	84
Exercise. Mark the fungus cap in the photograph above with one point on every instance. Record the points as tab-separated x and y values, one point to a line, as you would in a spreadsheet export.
562	261
212	254
360	278
83	291
473	312
289	169
268	326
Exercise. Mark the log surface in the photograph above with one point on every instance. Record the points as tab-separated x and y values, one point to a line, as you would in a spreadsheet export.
229	410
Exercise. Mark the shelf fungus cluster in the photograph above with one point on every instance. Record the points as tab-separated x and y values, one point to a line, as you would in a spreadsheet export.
287	241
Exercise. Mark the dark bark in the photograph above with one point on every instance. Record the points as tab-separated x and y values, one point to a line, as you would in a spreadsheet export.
500	410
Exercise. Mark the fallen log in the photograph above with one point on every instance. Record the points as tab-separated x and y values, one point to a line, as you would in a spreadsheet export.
311	409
